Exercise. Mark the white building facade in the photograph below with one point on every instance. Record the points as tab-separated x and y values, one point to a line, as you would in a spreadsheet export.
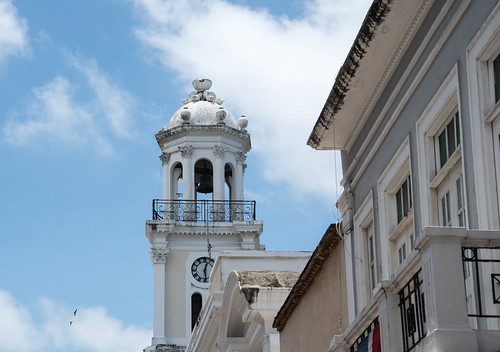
202	213
415	113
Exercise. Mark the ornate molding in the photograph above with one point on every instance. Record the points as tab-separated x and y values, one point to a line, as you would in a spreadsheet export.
240	158
219	151
159	255
165	158
186	151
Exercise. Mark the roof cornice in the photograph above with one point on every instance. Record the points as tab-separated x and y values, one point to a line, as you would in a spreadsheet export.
375	16
330	240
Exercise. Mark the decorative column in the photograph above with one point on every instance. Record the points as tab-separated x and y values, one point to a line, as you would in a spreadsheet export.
167	178
238	180
443	284
218	176
159	258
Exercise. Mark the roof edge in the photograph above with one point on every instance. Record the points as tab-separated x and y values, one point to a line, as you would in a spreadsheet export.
328	242
375	16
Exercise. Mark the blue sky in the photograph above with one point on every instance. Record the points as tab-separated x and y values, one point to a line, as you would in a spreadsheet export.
84	87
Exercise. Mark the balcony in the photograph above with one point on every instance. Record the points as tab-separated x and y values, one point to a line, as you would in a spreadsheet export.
203	210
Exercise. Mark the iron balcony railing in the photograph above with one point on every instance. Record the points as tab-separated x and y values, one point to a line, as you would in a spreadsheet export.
204	210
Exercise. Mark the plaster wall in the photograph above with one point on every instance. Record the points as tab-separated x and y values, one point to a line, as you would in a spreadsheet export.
322	311
175	283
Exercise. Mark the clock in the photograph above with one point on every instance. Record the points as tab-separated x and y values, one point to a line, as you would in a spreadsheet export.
201	269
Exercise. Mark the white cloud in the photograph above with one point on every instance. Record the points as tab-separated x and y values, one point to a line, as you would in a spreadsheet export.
55	114
13	31
92	330
275	70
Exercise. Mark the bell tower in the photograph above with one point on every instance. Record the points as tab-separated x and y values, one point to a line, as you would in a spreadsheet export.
202	213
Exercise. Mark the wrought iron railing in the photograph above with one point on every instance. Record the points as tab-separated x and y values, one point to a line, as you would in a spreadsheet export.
482	281
412	309
204	210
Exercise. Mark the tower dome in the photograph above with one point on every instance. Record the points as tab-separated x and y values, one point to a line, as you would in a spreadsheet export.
202	107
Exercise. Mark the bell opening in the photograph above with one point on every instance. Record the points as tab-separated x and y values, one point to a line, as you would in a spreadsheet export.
203	178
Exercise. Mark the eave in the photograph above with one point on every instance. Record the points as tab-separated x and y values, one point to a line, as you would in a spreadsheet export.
383	38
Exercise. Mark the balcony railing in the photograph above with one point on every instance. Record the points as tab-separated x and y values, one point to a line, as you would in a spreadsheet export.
482	281
203	210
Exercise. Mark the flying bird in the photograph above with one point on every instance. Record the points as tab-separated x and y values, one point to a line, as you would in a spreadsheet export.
74	313
71	322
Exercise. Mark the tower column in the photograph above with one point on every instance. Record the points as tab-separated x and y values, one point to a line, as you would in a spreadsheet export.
167	178
159	254
188	172
218	176
238	179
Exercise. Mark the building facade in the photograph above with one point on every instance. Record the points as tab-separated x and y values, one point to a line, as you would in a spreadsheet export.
415	113
316	308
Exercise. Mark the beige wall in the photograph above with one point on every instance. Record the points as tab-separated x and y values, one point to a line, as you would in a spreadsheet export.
315	320
175	307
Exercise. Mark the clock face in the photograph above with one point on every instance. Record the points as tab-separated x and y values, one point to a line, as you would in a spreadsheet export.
201	268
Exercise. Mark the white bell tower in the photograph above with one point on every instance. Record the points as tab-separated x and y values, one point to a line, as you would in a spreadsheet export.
202	212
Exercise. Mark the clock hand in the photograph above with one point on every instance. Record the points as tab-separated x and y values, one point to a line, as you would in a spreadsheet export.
205	270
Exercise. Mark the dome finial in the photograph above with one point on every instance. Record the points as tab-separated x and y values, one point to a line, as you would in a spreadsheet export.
201	85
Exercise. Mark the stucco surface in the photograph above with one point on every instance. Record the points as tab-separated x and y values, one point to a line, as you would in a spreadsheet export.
322	311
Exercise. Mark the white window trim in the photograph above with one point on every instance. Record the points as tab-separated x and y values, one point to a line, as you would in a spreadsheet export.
483	48
362	219
442	106
389	182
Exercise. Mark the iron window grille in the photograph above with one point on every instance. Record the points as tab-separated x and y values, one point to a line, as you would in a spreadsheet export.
412	309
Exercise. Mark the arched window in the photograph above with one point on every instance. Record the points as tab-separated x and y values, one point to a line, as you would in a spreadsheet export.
196	303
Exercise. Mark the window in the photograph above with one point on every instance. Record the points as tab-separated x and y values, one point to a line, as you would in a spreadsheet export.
496	77
483	70
440	158
402	253
196	303
396	210
448	140
403	200
372	266
365	253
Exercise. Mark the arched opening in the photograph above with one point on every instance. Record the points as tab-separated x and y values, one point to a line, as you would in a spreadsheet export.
203	179
176	183
228	184
196	304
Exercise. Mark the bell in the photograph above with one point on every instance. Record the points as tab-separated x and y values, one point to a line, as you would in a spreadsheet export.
205	185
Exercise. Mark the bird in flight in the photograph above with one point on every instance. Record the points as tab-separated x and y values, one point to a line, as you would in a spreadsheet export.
74	313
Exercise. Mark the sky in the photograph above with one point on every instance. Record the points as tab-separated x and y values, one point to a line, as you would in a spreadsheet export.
84	87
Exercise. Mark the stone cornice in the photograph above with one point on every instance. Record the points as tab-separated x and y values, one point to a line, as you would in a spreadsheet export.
167	135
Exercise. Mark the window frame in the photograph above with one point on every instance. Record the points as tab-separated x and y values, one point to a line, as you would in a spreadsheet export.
363	220
393	233
440	112
485	110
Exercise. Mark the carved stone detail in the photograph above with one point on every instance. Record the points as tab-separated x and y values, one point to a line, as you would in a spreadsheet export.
219	151
159	255
165	158
186	151
240	157
244	168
